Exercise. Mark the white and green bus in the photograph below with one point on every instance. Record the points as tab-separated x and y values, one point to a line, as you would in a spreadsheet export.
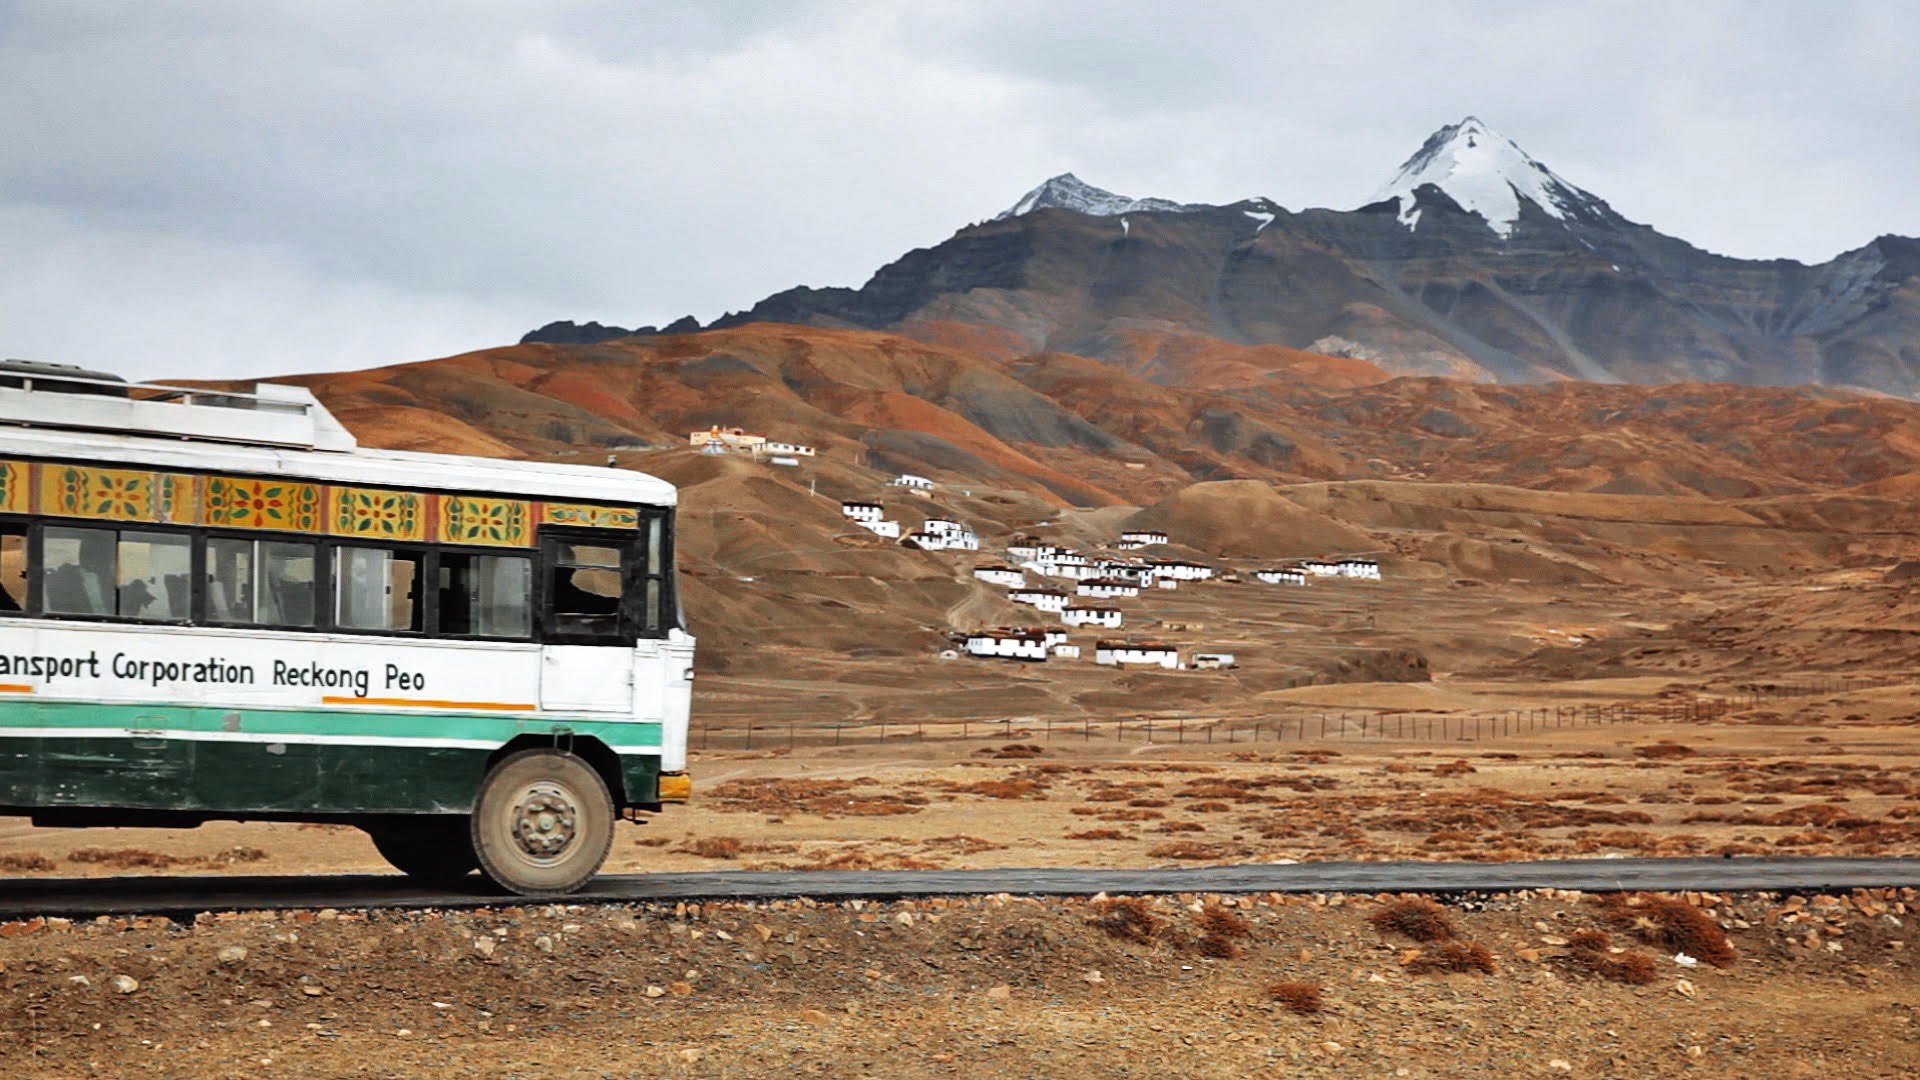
216	605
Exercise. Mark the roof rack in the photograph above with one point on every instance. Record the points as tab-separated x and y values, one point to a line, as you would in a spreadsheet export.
37	395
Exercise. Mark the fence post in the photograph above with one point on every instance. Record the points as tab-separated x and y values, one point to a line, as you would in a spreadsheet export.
836	734
1183	731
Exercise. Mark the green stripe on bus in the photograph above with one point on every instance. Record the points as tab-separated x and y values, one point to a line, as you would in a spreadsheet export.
333	724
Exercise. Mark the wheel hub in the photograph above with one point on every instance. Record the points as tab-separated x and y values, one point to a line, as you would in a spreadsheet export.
543	821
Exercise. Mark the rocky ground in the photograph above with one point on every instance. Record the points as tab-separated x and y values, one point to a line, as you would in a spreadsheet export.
1514	985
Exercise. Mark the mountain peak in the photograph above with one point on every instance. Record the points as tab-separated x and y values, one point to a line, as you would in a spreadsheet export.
1488	174
1069	192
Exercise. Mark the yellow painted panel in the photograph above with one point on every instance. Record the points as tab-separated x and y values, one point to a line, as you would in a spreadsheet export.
16	487
501	522
604	517
263	504
373	512
86	492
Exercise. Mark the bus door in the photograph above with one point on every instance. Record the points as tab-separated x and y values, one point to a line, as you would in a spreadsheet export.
587	626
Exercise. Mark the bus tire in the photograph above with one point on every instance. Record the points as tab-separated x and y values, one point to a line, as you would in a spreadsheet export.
436	849
542	824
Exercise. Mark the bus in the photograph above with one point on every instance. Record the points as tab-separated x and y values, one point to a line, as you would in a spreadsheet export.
216	605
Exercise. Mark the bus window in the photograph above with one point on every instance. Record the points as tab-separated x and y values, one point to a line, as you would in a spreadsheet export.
154	571
260	582
374	589
13	567
583	592
486	595
130	573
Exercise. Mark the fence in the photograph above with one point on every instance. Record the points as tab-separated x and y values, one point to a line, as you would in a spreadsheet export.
1298	727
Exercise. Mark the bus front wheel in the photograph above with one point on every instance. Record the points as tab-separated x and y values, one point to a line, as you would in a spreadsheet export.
542	824
434	849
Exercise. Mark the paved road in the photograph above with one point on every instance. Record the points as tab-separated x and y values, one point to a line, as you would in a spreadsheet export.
183	896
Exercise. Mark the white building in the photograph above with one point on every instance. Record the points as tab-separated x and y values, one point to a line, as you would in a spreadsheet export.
1007	644
1074	615
726	441
792	449
1321	569
1213	661
1365	569
1134	539
1106	588
908	480
1281	577
1032	549
1049	600
888	529
1136	654
944	525
1067	651
1054	637
1181	570
1000	575
782	459
863	511
1166	583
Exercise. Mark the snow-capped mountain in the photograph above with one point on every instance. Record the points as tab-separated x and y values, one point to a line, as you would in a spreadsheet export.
1069	192
1486	173
1475	261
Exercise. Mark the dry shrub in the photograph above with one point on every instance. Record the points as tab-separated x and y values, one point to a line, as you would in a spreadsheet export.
1018	750
716	847
1589	951
1301	997
860	860
1672	924
125	858
24	862
1193	849
1180	827
1146	802
1005	789
240	854
1218	948
1128	918
1664	750
1098	834
1453	956
1216	921
1221	931
961	844
1208	808
1421	920
1453	768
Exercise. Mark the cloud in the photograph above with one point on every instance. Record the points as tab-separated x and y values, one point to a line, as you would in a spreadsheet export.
268	187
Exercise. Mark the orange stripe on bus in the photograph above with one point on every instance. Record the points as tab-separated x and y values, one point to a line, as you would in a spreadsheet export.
502	706
15	688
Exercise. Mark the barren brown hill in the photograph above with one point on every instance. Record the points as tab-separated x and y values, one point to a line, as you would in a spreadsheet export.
1542	489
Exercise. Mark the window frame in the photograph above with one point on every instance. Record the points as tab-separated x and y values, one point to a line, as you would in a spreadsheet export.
532	555
322	578
37	565
426	595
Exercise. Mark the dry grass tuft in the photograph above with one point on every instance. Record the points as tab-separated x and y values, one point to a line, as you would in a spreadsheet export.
1097	834
1588	951
716	847
1301	997
125	858
1673	924
1664	750
1129	918
25	862
1421	920
1453	956
1216	921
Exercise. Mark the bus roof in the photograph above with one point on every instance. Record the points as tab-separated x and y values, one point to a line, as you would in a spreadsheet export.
33	423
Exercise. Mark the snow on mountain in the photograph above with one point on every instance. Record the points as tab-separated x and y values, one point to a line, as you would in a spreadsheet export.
1069	192
1487	174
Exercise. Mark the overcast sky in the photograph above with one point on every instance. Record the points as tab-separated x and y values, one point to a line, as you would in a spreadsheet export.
255	188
